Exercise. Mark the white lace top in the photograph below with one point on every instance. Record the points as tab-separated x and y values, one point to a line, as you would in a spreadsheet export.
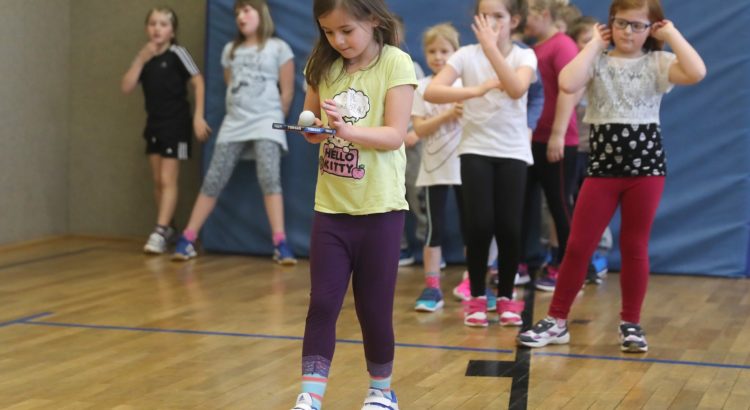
628	90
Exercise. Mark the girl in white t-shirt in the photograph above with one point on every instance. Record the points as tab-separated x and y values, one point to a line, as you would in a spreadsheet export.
494	150
440	169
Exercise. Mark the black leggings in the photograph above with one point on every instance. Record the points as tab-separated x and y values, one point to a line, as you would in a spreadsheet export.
557	180
436	197
493	191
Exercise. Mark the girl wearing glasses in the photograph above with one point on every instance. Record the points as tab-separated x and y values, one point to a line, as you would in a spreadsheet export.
627	165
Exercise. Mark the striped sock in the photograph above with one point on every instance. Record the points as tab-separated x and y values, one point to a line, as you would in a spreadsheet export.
315	378
315	384
380	376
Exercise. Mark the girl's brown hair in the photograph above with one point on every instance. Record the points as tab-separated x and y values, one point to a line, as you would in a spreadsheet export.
324	55
265	27
172	19
655	13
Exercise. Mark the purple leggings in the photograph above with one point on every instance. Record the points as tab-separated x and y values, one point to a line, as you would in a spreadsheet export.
365	248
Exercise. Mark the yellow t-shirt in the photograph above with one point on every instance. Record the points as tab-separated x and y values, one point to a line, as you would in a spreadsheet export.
352	179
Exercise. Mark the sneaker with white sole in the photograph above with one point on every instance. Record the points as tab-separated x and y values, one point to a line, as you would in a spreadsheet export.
283	255
463	290
156	244
304	402
184	250
632	338
406	258
522	276
598	268
475	312
430	300
549	281
545	332
377	400
510	311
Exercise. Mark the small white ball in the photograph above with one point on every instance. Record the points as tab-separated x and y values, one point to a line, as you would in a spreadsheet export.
306	118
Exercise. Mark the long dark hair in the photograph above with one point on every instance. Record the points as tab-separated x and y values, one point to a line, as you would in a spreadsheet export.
265	27
172	19
324	55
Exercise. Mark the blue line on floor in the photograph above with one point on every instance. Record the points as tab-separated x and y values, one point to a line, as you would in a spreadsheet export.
47	258
643	360
27	321
24	319
259	336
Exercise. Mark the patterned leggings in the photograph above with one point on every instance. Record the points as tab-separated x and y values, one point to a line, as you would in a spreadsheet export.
267	156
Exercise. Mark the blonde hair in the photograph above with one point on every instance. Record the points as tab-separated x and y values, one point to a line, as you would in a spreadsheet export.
172	19
582	24
568	15
554	7
265	27
445	31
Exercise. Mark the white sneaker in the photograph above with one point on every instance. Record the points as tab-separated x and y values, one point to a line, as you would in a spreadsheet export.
377	400
156	244
304	402
544	332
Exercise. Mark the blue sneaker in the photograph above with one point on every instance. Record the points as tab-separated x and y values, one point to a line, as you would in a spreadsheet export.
377	400
549	281
443	263
406	258
283	255
598	269
491	300
430	300
184	250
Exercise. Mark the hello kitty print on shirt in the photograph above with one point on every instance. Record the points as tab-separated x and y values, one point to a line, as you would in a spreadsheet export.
340	157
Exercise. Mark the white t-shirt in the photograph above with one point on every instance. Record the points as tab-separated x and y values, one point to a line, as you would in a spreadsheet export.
253	99
494	125
440	163
628	90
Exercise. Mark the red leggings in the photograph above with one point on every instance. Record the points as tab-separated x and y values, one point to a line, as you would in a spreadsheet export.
597	201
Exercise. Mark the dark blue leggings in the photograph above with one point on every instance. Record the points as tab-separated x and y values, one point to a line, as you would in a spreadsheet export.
366	249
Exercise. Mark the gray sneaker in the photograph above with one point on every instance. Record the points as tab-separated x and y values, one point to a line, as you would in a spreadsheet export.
156	244
632	338
544	332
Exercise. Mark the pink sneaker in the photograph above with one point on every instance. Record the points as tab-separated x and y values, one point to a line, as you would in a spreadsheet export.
475	312
510	311
522	276
463	290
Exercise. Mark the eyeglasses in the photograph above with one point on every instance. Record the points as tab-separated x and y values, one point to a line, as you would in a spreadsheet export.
636	26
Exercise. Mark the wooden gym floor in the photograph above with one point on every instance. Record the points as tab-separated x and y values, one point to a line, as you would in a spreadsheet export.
94	324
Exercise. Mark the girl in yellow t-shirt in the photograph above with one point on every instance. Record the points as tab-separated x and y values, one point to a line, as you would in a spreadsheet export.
361	85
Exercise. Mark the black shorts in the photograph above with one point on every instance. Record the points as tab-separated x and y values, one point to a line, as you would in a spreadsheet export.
169	147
